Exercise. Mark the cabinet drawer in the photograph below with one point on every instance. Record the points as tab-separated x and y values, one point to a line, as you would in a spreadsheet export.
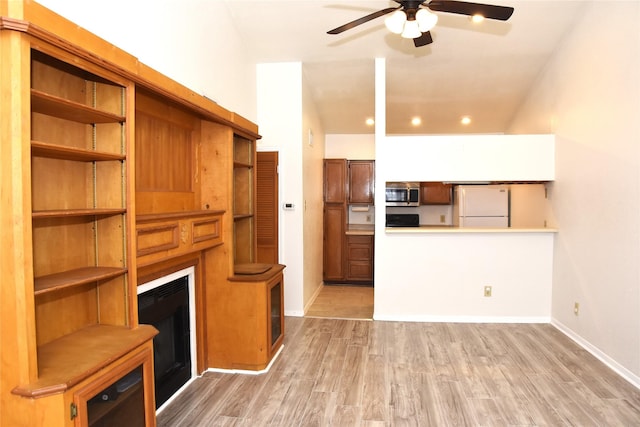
359	270
359	252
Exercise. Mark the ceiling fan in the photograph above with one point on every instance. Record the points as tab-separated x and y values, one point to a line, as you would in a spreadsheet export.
413	18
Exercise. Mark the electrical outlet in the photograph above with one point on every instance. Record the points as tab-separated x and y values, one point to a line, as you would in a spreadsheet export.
487	291
368	218
576	308
442	219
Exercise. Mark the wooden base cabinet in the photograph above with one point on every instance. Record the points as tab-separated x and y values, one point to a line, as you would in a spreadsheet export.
359	258
251	321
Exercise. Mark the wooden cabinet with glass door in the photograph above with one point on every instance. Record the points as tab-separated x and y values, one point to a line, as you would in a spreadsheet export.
121	396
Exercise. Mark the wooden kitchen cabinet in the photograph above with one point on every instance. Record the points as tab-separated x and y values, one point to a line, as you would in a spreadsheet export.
361	181
334	218
359	258
335	181
435	193
335	223
346	182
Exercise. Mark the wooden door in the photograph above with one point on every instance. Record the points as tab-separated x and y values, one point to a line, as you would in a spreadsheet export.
267	207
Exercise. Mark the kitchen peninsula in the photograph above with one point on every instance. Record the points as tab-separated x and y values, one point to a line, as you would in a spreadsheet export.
437	272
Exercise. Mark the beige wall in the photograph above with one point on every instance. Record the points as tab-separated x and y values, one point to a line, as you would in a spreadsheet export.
352	147
312	182
589	96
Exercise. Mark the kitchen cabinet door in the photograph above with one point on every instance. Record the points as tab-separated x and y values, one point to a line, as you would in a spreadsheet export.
361	182
335	180
333	246
359	258
435	193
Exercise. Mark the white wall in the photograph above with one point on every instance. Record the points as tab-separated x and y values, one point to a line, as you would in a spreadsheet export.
192	41
589	96
465	158
280	112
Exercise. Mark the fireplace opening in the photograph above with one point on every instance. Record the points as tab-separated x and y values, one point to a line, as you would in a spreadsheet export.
166	306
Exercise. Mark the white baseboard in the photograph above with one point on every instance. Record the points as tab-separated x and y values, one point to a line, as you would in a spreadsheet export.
294	313
247	371
176	394
597	353
461	319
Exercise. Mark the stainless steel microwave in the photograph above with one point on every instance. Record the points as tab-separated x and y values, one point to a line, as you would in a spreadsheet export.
402	194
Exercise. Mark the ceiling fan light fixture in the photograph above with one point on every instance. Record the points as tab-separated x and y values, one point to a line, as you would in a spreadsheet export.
395	21
426	20
411	30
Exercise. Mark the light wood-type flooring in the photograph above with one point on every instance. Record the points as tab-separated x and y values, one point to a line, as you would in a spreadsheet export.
343	302
341	372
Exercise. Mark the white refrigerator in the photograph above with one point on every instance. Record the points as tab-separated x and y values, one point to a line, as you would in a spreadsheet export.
481	206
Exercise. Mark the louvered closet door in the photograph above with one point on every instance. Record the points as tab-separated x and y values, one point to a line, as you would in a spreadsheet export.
267	206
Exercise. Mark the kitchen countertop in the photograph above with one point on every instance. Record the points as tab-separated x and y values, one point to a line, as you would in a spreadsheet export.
426	229
360	229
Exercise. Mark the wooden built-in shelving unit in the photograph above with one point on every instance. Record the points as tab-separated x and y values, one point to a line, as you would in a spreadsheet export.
244	199
113	174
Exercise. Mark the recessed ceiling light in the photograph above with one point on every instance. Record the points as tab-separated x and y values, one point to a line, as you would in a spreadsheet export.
477	18
416	121
369	121
465	120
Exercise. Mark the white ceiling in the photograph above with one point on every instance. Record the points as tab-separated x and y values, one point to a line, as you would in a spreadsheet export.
482	71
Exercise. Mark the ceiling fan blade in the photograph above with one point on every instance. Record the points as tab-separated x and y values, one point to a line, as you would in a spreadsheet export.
362	20
423	40
490	11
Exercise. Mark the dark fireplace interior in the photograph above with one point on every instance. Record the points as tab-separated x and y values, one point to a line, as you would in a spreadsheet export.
167	308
